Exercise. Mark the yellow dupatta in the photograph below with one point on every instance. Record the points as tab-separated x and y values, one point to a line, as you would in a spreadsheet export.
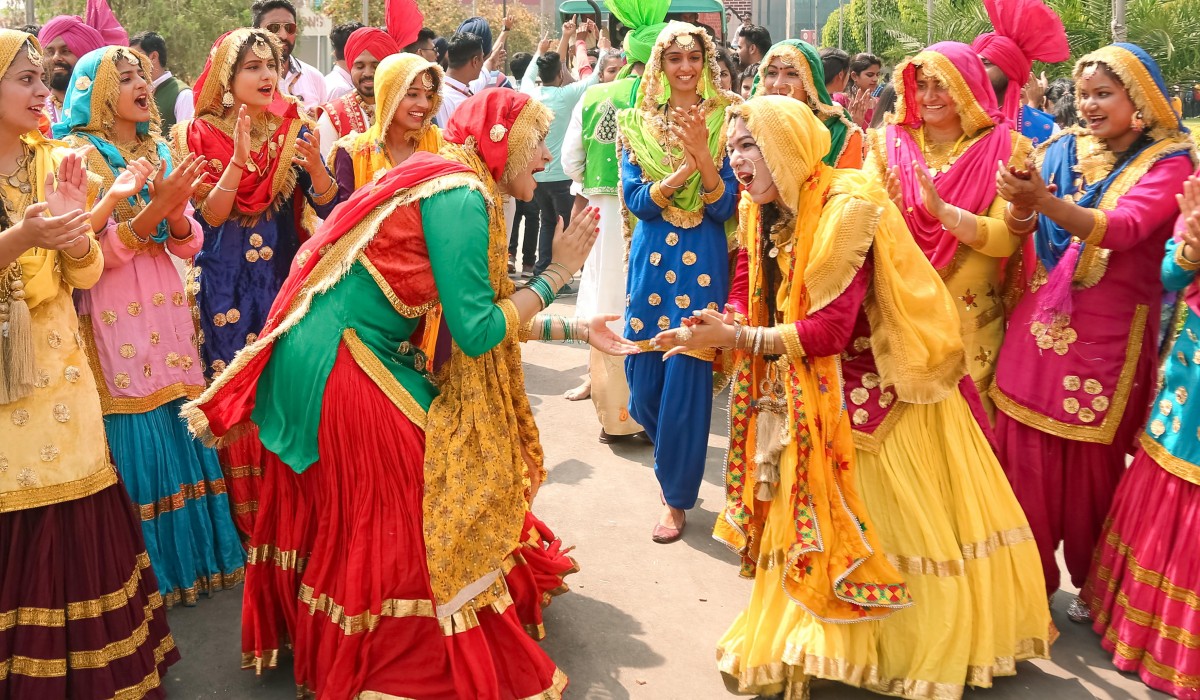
395	75
833	566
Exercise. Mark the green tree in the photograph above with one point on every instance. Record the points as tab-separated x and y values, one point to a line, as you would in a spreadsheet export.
189	28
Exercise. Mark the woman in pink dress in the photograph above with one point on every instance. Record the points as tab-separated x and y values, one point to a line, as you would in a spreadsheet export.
1076	370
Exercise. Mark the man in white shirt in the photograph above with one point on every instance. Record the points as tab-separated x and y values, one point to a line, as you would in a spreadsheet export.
338	81
465	59
172	96
297	78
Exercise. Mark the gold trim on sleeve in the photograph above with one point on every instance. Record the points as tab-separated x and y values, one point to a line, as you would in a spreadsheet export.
1183	263
791	341
714	196
81	263
1099	228
656	194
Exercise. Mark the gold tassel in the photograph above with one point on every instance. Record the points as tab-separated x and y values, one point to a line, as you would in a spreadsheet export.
18	347
768	448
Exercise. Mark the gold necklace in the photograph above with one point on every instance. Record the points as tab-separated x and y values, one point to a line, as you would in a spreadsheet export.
940	156
19	191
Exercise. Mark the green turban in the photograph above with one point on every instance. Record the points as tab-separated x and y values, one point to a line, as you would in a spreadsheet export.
639	42
645	19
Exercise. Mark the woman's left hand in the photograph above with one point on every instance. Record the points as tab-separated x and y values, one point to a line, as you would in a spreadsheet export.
1024	188
703	330
132	179
601	337
692	131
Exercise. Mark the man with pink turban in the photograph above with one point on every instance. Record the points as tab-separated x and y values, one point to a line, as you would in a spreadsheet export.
355	110
66	38
1026	31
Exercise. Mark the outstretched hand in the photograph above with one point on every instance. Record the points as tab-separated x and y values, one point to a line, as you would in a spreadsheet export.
705	329
601	337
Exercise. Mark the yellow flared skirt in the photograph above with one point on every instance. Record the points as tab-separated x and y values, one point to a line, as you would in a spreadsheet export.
948	520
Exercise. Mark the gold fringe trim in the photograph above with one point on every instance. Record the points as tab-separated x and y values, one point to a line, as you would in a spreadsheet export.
267	659
1174	465
205	584
1105	432
401	308
270	554
837	270
329	270
373	367
706	354
366	621
970	551
186	492
89	485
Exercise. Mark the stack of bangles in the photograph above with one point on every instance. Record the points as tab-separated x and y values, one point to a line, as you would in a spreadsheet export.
757	340
571	331
545	289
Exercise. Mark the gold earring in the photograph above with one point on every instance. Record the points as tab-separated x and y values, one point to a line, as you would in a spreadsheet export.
227	99
1139	124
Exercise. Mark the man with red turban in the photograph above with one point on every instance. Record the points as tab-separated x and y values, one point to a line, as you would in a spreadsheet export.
66	38
355	111
1026	31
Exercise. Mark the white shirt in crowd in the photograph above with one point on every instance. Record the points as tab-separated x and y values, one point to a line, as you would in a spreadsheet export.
337	83
184	108
455	93
305	83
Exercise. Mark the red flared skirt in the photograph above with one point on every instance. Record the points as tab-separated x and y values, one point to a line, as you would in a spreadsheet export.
80	612
1144	587
337	565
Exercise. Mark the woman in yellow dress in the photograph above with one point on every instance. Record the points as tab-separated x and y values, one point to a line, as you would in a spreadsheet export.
938	157
80	611
408	87
925	528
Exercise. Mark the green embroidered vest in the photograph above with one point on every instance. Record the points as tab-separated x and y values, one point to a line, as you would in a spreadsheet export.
165	96
601	169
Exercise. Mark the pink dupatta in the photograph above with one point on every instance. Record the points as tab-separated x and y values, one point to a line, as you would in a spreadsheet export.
970	183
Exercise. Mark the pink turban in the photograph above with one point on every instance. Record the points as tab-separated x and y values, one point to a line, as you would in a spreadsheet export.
1026	31
100	28
378	42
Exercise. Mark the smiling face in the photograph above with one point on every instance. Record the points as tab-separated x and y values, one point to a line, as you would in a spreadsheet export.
748	163
22	95
937	107
684	65
133	100
782	79
414	107
254	79
60	61
362	74
522	185
1105	106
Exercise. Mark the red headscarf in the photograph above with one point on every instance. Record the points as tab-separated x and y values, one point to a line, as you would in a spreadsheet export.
378	42
489	117
1026	31
269	172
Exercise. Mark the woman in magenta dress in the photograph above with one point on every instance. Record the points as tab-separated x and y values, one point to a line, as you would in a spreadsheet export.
1076	370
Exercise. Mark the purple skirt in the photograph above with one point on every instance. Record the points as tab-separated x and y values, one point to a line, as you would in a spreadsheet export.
80	612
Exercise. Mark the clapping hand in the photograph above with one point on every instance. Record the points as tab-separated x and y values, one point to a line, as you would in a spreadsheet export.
860	104
894	189
53	232
1024	188
571	246
67	191
691	130
929	194
173	192
132	179
601	337
1189	212
241	138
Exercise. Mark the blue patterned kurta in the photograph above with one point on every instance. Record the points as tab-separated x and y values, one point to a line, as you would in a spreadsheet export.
238	272
1174	422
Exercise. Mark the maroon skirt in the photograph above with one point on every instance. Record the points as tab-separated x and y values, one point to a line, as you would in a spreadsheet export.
80	612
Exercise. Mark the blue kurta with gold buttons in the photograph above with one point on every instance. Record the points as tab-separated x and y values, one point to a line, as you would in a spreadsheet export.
673	271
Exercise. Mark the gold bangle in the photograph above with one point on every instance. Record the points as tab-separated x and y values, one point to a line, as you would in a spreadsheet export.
327	196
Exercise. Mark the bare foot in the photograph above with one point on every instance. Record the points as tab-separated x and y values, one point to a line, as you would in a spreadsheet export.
581	392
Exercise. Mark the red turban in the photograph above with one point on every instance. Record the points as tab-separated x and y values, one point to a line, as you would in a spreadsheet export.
378	42
1026	31
98	29
403	20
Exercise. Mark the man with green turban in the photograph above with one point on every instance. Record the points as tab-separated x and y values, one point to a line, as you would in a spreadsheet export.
589	157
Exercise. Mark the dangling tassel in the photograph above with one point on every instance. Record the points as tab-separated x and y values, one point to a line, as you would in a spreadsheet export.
767	450
1055	298
16	381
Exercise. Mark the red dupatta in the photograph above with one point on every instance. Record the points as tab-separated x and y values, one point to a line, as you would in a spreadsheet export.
269	176
970	183
230	401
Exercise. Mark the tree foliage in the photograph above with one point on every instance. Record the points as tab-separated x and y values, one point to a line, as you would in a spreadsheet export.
189	28
1166	29
444	16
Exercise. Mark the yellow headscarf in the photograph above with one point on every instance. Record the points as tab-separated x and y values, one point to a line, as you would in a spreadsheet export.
393	78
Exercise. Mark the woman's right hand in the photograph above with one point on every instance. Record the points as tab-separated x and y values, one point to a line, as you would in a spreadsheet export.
1189	211
572	245
241	138
54	232
894	190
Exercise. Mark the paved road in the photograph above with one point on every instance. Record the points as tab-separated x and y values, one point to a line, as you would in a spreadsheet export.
642	619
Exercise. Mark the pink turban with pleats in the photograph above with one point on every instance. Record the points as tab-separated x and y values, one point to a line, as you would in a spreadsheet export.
98	28
1026	31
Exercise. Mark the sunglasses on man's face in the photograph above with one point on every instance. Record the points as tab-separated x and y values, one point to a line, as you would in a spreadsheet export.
288	27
